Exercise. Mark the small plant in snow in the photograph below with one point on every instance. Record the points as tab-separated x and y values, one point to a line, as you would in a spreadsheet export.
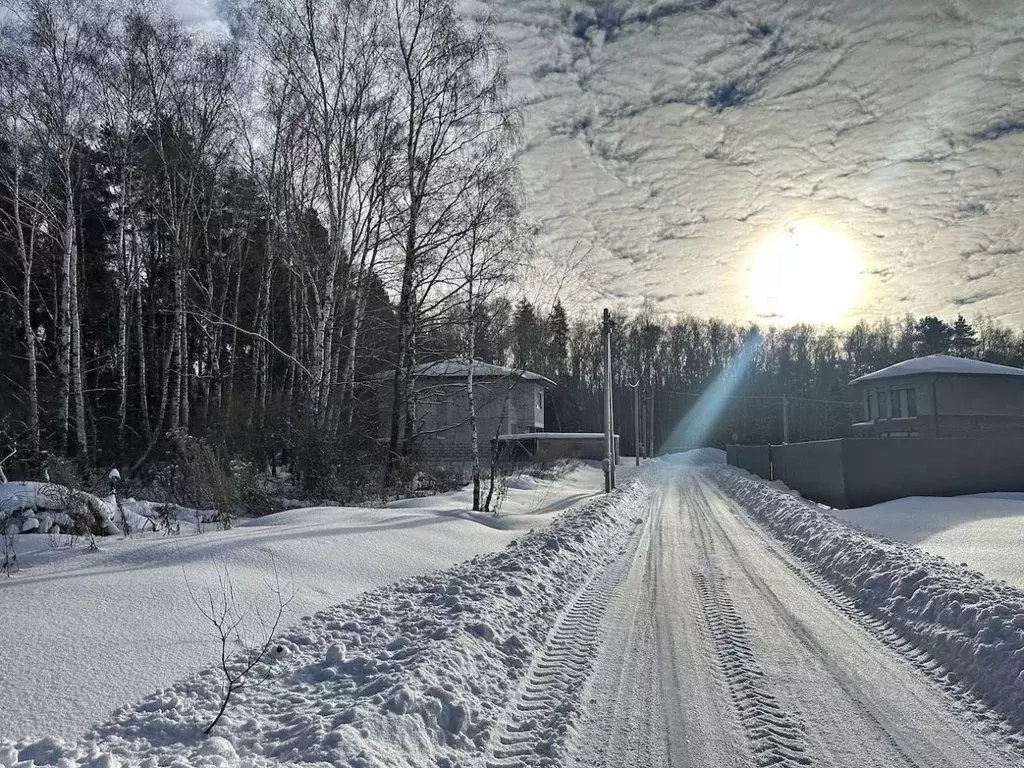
9	561
251	627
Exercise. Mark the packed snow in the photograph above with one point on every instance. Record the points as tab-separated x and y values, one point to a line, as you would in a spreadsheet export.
973	626
984	532
93	630
416	673
940	364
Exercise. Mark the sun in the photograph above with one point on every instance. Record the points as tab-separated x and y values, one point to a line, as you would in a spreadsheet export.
806	274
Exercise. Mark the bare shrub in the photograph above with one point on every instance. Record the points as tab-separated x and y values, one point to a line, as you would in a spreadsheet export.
202	479
8	553
506	462
81	519
251	627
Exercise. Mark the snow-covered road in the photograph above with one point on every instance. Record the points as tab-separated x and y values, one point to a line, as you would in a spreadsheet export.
716	649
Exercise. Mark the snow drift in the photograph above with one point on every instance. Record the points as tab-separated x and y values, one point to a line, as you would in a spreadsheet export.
414	674
973	626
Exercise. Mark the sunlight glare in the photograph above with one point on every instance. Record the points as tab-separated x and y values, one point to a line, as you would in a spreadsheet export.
806	274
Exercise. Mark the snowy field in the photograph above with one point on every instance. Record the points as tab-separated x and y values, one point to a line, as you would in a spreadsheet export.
412	673
986	532
87	632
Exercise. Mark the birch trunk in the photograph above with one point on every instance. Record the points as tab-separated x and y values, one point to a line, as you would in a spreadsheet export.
140	333
64	313
26	254
77	383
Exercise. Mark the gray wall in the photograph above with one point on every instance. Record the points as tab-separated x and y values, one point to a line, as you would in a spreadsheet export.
756	459
442	414
881	470
815	469
860	472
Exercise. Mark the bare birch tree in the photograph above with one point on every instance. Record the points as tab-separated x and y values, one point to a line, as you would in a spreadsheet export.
453	100
52	39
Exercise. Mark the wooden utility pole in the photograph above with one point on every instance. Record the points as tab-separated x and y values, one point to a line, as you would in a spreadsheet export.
609	430
785	419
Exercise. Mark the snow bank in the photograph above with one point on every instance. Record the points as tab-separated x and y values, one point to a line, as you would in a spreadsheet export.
108	627
973	626
414	674
985	532
696	457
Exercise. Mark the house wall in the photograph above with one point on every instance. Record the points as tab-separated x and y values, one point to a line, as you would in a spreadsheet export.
442	415
980	406
968	407
874	425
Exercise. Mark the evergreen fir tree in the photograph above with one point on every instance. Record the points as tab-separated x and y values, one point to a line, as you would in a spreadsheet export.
965	338
526	337
932	336
557	362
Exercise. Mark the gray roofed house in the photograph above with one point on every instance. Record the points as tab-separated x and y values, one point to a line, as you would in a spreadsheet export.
942	396
508	400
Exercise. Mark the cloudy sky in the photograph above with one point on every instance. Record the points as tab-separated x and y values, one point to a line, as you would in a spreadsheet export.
669	141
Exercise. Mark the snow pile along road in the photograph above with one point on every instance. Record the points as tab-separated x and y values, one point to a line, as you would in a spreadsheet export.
417	673
973	626
985	531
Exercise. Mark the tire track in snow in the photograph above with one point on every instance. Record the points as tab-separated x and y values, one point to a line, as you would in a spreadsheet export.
959	698
536	724
776	737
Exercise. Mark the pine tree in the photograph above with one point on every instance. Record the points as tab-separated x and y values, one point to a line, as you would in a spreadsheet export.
526	337
965	338
557	362
932	336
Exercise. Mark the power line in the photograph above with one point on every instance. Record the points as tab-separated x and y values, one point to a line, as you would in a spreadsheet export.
759	397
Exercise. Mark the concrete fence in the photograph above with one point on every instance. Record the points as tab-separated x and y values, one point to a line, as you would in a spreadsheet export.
859	472
756	459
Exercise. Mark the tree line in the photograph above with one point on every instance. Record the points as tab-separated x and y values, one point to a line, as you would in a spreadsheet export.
675	359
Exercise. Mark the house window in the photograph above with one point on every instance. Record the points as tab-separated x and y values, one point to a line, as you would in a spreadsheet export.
883	404
540	399
911	402
901	403
872	405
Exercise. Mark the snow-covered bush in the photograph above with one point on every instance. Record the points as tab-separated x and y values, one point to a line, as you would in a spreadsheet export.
33	507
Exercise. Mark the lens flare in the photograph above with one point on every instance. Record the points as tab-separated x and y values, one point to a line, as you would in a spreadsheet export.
700	421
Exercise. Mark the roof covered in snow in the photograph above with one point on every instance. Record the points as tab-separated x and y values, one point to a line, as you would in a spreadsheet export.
459	369
554	436
940	364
